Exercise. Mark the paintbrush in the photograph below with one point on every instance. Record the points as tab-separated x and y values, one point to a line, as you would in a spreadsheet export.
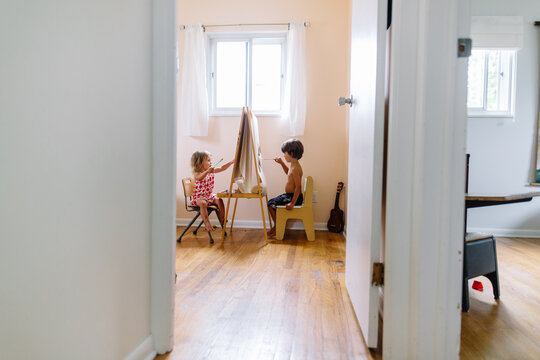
216	164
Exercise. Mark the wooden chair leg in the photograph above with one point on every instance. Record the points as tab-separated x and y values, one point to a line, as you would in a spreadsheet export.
310	229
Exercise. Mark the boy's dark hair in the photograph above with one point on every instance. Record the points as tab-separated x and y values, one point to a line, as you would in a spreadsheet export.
293	147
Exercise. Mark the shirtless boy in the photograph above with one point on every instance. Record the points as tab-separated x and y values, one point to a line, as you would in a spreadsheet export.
292	152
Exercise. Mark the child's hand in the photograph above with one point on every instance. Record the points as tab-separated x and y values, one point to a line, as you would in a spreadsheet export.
278	160
289	206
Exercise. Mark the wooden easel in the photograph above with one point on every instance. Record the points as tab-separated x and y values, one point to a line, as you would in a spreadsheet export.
246	115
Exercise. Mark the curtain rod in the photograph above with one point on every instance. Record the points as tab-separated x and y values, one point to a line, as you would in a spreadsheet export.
306	24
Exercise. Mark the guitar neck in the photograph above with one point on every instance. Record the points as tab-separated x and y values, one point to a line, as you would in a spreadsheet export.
336	203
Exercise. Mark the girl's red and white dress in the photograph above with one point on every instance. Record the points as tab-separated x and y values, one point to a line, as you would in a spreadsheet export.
203	190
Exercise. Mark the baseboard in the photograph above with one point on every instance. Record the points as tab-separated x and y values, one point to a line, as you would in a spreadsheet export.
256	224
518	233
145	351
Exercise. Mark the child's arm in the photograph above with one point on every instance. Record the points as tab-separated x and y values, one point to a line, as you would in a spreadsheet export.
201	175
280	162
297	189
223	167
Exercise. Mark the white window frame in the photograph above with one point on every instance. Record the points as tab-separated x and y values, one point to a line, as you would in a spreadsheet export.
484	112
270	37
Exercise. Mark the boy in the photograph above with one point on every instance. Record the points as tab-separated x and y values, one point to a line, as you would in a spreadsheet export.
292	152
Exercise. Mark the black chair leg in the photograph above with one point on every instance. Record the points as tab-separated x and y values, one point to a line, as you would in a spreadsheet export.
187	227
198	227
202	221
465	296
494	279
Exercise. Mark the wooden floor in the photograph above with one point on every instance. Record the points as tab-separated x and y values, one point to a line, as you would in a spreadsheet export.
287	300
510	327
246	300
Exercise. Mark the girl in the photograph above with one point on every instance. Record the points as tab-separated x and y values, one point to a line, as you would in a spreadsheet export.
203	173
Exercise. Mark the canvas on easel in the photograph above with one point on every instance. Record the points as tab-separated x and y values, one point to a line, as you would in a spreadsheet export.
247	172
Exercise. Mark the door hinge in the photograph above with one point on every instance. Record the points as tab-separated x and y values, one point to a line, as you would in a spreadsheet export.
377	278
464	47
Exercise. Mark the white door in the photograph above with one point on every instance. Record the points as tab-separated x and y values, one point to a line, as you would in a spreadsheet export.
366	140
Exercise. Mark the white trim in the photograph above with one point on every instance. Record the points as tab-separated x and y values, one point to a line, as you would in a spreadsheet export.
255	224
518	233
145	351
425	181
163	174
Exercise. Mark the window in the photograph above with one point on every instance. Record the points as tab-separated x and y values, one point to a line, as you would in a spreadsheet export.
491	83
246	69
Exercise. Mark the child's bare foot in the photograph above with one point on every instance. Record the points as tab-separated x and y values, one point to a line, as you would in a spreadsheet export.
208	226
271	232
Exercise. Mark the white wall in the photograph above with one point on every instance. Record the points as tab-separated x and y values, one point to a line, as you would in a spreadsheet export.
75	178
503	150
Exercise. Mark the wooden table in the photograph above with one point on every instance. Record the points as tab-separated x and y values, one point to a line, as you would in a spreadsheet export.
481	200
478	200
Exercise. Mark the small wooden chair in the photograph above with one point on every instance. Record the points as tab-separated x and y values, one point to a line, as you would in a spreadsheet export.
187	184
303	212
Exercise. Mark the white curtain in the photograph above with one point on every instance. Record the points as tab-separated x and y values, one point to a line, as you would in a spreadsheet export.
293	117
194	101
497	31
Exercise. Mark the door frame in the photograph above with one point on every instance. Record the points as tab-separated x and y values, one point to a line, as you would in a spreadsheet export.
425	185
425	181
163	235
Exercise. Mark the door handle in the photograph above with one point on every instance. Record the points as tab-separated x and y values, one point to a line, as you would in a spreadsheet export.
342	101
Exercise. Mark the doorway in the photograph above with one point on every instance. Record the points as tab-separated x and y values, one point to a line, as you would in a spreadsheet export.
403	156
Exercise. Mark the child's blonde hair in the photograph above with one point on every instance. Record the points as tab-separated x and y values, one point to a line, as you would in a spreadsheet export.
197	159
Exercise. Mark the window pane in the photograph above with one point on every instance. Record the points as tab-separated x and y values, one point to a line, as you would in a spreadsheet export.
493	72
266	77
475	82
505	80
231	74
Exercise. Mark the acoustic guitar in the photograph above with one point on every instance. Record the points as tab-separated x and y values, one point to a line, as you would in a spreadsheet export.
335	223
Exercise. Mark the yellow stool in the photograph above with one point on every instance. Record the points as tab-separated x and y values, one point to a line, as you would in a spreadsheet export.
303	212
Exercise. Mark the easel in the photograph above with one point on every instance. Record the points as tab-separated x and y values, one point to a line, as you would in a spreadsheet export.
246	121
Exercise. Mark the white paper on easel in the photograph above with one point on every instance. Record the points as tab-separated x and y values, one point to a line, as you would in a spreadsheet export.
244	173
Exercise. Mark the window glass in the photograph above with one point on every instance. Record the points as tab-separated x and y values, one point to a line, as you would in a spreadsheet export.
230	74
246	69
476	80
490	82
266	79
